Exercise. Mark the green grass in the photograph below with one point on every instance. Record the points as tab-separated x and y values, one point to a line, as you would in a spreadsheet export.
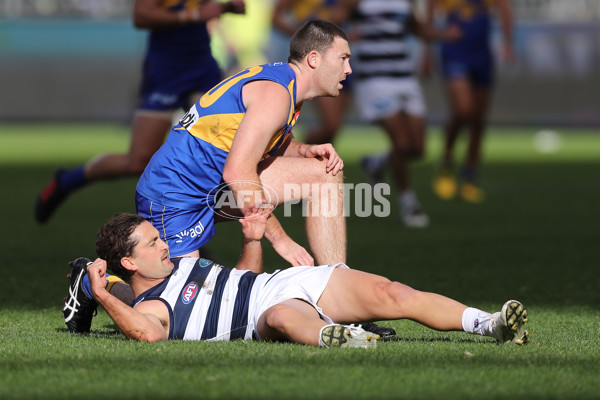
534	239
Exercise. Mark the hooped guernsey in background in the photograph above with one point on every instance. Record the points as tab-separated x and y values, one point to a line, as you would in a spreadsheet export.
185	171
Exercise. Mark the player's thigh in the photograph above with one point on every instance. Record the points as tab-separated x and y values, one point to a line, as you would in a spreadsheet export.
352	295
290	312
460	94
291	178
148	133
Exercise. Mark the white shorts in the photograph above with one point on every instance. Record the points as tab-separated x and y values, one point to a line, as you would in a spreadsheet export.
304	283
378	98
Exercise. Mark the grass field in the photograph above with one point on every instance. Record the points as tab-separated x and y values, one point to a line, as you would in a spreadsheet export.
534	239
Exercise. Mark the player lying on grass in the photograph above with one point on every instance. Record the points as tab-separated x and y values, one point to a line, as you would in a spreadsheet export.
195	299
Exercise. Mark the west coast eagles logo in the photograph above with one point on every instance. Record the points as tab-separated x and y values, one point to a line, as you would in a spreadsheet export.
189	293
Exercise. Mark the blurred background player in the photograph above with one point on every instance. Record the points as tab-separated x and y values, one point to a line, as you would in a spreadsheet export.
467	66
178	69
387	91
288	16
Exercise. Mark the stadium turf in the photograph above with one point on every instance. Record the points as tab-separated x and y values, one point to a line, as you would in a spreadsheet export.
534	239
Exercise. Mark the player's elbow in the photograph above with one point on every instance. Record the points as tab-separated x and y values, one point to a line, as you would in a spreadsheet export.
150	336
234	173
141	20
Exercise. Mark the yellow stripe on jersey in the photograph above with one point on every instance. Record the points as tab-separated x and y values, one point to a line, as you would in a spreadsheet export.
306	9
466	8
166	4
290	89
111	280
215	93
217	129
291	121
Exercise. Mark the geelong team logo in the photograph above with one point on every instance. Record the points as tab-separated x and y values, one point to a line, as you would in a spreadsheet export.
189	293
229	205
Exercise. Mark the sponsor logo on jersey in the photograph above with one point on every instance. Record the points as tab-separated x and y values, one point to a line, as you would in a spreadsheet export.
189	292
192	232
205	263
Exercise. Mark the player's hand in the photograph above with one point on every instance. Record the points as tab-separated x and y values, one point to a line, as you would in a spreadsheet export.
255	221
334	162
292	252
426	69
235	7
97	274
452	33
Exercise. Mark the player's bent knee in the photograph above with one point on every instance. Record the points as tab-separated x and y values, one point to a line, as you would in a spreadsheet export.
398	294
277	318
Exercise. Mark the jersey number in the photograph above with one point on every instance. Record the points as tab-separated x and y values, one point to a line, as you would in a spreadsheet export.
213	95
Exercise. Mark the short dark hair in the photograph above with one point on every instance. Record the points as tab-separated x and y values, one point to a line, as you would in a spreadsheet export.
314	35
114	241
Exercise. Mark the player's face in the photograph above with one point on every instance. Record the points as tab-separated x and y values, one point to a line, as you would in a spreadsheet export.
151	254
335	67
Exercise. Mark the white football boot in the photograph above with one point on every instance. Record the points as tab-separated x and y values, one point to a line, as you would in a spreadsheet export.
336	335
508	325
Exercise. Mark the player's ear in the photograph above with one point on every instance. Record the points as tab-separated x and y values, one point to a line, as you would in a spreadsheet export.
128	264
313	58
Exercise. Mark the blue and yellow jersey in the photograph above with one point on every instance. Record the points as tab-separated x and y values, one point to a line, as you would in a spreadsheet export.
190	163
466	9
474	20
305	10
214	118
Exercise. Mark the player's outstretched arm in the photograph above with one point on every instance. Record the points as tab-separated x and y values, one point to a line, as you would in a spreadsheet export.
506	21
145	322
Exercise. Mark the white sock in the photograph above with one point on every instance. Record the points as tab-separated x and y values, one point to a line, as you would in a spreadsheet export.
381	159
476	321
408	200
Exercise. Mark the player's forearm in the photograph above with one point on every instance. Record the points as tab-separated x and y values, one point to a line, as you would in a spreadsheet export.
132	323
273	230
294	148
246	190
506	22
429	21
251	258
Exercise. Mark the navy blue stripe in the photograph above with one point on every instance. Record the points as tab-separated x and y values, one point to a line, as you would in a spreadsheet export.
389	74
239	320
383	36
383	57
212	316
182	311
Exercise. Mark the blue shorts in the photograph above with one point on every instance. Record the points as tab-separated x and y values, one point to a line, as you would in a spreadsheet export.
477	70
183	230
169	87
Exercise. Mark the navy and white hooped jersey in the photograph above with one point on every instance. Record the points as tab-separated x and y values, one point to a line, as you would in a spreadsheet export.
383	49
189	165
206	300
